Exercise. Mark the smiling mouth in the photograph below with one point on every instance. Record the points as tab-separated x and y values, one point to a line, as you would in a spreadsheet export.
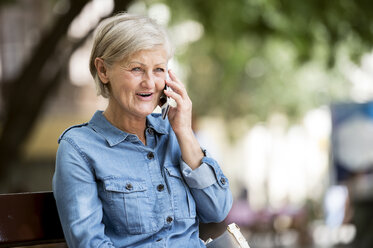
144	94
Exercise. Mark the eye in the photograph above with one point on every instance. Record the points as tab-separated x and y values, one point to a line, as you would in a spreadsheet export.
136	69
159	69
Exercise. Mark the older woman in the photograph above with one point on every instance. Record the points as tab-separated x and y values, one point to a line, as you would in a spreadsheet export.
129	178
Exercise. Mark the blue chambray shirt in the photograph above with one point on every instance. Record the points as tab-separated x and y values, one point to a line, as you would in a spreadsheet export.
113	191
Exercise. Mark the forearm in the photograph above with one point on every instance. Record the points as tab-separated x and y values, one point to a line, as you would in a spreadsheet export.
191	151
180	118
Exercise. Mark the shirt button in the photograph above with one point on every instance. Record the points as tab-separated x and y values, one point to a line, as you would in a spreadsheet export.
160	187
169	219
150	155
223	181
150	131
129	186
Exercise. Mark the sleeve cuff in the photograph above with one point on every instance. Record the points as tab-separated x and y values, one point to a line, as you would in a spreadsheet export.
199	178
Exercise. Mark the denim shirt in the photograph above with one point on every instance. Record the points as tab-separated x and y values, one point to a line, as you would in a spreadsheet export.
113	191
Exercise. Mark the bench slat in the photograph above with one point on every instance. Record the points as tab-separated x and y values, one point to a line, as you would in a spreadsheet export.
29	219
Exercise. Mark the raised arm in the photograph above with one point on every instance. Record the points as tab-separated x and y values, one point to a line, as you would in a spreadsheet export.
209	186
180	119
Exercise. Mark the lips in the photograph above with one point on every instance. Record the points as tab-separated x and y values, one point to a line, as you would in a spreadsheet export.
145	95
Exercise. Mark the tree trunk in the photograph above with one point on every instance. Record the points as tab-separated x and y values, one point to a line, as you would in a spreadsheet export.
27	94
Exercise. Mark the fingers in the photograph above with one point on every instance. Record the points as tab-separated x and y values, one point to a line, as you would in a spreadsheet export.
175	96
178	93
173	76
176	85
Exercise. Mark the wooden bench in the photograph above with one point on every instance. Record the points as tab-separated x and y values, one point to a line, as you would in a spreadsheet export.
31	219
28	219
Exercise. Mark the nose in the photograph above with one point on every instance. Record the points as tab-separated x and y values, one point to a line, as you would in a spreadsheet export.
148	80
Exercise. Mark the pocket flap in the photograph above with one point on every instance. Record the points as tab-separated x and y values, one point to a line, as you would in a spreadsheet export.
174	172
124	185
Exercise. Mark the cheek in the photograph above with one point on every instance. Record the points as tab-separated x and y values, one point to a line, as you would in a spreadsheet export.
128	82
159	82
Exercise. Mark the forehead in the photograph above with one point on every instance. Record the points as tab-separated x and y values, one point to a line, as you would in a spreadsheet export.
156	55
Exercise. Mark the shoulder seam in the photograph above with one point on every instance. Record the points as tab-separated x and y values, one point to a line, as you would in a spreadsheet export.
77	148
69	128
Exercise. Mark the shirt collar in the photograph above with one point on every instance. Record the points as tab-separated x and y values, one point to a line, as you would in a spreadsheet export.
156	122
114	135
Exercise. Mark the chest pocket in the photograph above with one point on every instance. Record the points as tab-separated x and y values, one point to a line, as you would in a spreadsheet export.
130	208
183	201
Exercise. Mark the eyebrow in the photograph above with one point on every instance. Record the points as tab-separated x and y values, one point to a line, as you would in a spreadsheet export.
136	62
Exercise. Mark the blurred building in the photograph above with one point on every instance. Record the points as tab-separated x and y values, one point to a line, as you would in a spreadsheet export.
352	140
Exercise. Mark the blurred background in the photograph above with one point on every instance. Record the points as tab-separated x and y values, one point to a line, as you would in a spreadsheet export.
282	95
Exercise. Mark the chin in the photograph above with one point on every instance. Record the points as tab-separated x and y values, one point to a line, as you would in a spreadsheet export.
145	112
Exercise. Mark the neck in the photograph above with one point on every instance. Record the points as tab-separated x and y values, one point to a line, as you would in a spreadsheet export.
132	125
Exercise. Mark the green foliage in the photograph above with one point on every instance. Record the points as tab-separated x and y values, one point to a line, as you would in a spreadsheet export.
258	57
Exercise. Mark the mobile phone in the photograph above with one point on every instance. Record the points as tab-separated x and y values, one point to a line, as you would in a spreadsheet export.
165	101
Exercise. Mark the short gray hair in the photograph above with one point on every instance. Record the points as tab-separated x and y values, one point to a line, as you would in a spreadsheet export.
118	37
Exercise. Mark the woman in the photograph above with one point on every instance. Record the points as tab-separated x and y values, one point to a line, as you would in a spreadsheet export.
128	178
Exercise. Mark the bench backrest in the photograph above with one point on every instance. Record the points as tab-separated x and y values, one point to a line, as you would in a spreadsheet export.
29	219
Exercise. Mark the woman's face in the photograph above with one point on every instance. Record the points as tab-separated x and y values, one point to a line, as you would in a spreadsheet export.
137	83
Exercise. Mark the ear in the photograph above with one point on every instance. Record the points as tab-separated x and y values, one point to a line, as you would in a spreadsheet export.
102	70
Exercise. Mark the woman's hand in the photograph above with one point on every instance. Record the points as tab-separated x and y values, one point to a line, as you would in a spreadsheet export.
180	118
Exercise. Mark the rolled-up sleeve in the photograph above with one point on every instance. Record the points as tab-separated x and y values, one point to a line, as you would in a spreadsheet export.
210	189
